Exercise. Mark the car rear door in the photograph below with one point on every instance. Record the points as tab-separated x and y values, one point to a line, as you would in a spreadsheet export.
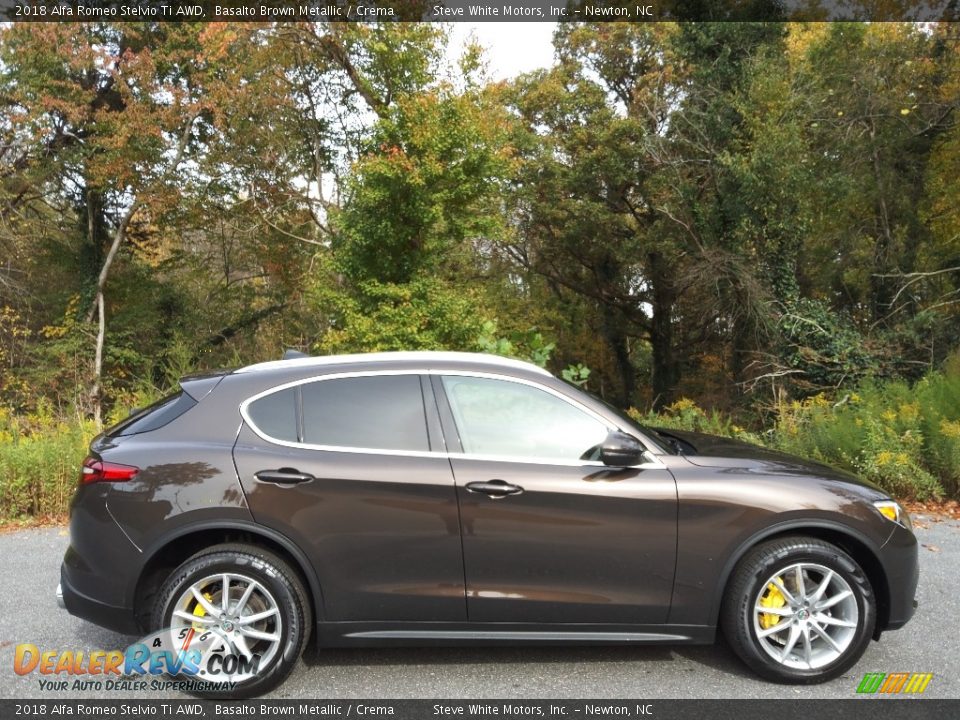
352	469
550	534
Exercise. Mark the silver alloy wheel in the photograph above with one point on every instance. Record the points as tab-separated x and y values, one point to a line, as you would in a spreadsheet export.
238	609
805	616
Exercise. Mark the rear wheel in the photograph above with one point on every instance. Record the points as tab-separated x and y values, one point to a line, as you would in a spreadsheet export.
253	608
799	610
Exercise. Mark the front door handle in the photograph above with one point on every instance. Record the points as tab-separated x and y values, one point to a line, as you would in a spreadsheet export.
494	488
284	476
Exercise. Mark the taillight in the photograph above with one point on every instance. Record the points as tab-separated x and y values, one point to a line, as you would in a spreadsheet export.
99	471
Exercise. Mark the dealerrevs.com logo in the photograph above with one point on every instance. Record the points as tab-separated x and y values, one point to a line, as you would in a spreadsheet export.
894	683
199	659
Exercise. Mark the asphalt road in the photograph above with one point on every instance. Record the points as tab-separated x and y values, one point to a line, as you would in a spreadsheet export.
29	569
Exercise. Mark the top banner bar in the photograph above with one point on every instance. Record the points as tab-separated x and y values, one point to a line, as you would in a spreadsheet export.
477	10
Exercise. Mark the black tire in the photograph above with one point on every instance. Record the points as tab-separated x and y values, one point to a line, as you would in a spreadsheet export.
748	581
282	582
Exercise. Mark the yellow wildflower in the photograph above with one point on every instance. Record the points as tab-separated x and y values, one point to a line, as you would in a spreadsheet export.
884	457
950	429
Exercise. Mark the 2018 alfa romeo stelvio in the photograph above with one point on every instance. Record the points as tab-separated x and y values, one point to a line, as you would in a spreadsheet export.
439	498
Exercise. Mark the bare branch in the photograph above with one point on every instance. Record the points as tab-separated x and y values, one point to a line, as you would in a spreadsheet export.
290	234
752	382
914	277
333	49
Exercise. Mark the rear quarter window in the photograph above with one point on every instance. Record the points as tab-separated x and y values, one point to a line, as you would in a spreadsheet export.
163	412
275	415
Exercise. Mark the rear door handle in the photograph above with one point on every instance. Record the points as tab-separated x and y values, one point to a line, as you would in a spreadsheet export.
284	476
494	488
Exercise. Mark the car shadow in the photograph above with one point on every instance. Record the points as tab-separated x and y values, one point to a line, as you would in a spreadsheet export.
717	656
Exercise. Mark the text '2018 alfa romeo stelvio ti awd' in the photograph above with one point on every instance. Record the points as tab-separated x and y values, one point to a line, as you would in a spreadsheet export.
453	498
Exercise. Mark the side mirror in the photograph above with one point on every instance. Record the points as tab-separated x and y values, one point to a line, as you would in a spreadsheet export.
622	450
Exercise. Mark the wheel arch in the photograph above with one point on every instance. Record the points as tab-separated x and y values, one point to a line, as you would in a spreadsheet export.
847	539
172	550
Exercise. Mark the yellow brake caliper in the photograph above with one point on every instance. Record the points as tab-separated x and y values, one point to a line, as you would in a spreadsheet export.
200	612
772	598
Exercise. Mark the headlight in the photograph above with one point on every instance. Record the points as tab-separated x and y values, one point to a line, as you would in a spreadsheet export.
891	510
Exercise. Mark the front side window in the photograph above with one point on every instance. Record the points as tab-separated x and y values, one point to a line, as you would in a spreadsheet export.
503	418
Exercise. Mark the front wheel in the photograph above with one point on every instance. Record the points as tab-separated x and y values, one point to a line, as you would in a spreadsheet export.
799	610
249	606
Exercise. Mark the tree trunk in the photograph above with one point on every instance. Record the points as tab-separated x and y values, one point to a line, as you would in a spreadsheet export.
96	390
615	335
742	344
97	232
665	373
118	238
880	287
98	307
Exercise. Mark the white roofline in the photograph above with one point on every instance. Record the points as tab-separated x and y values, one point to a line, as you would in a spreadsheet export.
424	357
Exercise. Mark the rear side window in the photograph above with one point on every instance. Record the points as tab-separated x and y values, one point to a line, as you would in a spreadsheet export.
377	412
154	416
276	415
381	412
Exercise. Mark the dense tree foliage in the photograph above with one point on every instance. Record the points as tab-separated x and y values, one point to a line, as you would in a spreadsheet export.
741	213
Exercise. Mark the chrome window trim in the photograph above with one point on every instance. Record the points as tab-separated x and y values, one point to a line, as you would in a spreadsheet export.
244	413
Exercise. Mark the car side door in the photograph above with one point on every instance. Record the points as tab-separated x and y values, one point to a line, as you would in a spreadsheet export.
550	534
352	468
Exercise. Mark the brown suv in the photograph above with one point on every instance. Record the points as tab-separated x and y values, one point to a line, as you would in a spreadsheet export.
428	498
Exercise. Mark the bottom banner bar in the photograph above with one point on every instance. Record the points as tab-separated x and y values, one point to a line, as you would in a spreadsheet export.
869	709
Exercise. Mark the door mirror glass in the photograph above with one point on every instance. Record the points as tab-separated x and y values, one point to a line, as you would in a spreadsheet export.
622	450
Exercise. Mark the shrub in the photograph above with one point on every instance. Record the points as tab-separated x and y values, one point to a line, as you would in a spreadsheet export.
41	453
685	414
40	458
905	438
875	432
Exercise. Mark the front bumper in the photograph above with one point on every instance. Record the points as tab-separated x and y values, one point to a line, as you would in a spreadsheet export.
900	557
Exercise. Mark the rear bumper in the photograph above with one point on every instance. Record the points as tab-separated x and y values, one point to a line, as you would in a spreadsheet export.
100	564
120	619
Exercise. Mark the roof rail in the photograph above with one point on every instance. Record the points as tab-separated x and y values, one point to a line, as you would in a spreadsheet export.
422	356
